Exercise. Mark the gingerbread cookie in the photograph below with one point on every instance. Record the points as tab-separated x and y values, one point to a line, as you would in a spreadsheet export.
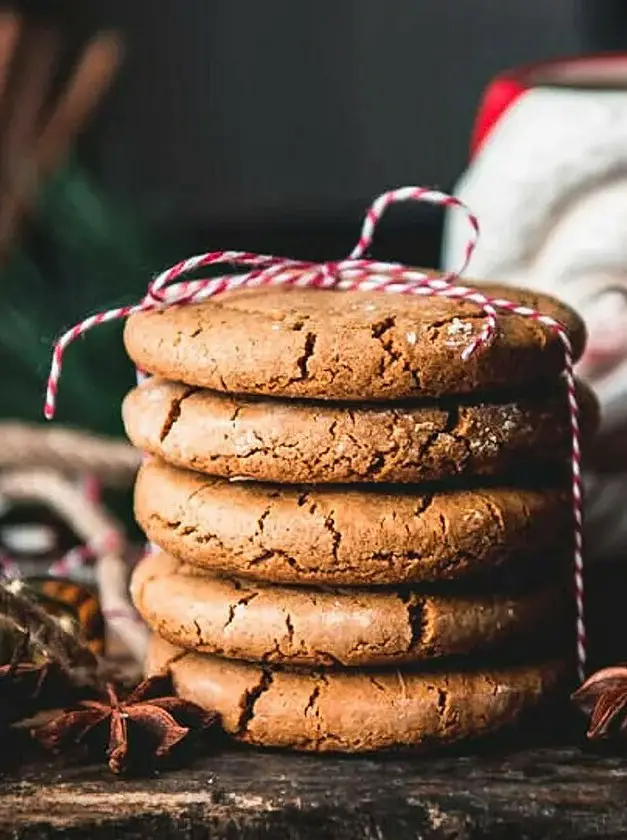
348	345
290	441
355	711
333	627
349	535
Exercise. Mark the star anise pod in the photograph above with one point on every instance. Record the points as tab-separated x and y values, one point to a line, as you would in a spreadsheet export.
603	697
134	733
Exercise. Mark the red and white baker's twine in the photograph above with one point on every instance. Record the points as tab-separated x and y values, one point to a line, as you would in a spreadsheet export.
352	274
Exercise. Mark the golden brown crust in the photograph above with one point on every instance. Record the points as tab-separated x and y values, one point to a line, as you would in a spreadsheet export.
332	627
356	711
355	346
288	441
348	535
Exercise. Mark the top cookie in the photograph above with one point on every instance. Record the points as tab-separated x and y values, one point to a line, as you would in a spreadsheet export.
348	345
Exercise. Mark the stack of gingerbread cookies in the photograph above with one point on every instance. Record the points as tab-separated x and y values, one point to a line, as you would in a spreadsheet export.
362	539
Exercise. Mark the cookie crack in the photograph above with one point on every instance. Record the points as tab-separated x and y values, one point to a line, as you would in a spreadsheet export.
381	645
266	449
449	427
424	504
197	492
380	328
379	460
329	658
250	698
303	361
273	554
174	412
319	456
242	602
194	531
336	536
311	702
290	630
392	353
417	620
449	718
305	499
260	523
311	707
443	523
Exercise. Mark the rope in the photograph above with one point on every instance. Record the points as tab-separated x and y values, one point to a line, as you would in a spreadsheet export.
102	537
114	463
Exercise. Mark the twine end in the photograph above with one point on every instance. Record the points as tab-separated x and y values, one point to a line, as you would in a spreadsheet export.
468	351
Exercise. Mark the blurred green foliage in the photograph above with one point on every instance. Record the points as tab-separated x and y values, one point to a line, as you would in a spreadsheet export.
80	255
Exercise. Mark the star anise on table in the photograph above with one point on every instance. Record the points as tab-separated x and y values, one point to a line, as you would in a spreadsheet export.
603	697
134	733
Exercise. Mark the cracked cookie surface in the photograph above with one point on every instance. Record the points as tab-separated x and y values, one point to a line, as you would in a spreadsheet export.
356	711
357	345
349	535
334	627
289	441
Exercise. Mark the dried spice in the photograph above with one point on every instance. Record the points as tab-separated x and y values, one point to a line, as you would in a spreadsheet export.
28	687
22	686
135	733
603	697
46	638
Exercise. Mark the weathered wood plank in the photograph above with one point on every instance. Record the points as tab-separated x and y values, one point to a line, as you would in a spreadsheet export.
548	792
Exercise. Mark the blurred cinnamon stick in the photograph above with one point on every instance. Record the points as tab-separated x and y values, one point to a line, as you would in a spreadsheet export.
39	127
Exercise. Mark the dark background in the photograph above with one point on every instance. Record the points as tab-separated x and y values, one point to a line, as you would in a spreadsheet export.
272	124
262	124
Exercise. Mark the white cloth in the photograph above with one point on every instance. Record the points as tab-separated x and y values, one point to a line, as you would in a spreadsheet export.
549	186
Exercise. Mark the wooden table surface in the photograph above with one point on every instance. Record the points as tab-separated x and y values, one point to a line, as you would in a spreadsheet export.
566	792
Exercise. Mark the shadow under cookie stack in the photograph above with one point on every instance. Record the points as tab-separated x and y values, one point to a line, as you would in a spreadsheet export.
362	540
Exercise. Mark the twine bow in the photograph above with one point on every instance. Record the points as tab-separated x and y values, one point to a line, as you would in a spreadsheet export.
356	274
